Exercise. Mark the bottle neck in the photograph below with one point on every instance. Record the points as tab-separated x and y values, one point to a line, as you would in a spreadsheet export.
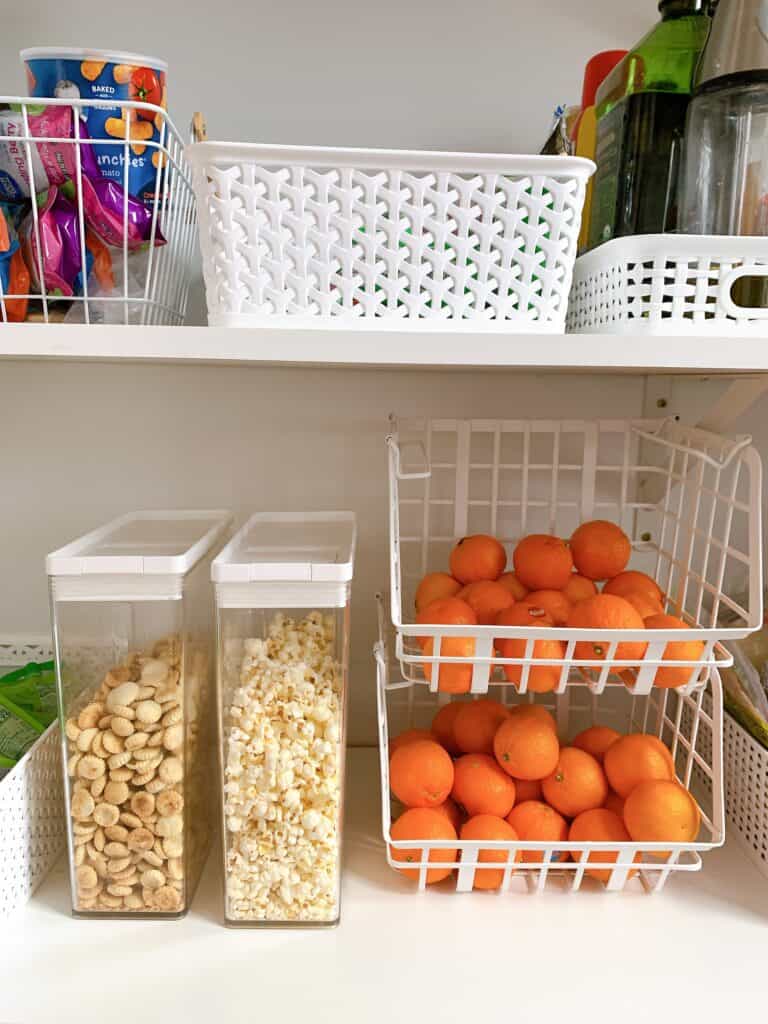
672	9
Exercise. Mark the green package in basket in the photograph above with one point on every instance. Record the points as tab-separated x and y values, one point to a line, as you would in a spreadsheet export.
27	708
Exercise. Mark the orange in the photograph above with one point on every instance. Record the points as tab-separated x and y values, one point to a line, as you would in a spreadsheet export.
451	810
475	725
579	588
676	650
449	611
409	736
554	602
481	787
615	803
600	550
637	758
535	820
661	812
434	587
541	678
576	784
510	582
478	558
605	611
426	825
643	603
633	582
534	711
596	740
442	726
486	599
421	774
488	826
527	789
542	562
599	826
526	747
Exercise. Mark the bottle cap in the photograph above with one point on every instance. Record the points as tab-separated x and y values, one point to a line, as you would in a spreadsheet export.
595	73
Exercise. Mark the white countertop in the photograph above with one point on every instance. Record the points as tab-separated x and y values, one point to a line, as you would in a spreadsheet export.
696	951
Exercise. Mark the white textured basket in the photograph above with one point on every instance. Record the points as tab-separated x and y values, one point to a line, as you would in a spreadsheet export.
308	236
689	500
31	802
746	791
667	285
691	726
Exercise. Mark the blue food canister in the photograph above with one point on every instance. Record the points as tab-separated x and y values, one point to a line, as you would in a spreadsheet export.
70	73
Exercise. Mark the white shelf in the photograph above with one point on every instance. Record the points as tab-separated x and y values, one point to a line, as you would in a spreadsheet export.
403	956
468	349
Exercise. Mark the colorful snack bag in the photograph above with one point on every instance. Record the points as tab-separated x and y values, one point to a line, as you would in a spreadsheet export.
53	163
14	276
56	244
117	77
104	205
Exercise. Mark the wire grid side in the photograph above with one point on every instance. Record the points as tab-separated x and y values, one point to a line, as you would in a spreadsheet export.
683	723
664	293
508	478
149	283
387	243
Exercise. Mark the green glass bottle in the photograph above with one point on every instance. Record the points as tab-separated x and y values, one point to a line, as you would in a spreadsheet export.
641	108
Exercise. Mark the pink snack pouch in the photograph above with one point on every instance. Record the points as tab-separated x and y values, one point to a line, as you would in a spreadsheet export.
52	163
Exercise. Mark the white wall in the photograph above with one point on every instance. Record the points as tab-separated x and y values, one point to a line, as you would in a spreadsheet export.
81	443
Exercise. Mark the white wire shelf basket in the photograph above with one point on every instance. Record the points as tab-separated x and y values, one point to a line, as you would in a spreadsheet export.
692	731
690	502
31	797
86	250
672	285
300	236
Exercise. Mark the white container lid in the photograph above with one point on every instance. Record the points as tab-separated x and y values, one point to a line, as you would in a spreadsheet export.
287	560
142	544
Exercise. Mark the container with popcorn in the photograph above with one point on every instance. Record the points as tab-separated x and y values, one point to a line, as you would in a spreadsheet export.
282	600
133	623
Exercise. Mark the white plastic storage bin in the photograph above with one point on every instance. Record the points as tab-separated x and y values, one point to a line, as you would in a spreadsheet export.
746	791
132	613
692	728
689	500
31	799
139	255
671	285
312	237
282	601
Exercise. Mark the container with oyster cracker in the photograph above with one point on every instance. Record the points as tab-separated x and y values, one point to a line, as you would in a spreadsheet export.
132	615
282	607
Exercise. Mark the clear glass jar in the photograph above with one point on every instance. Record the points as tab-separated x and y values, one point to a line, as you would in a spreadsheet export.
282	600
133	632
725	174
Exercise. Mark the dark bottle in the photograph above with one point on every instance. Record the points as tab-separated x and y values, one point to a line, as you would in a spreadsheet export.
641	109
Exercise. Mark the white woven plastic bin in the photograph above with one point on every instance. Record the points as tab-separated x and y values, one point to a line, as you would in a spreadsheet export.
746	791
689	500
306	236
31	801
667	285
693	733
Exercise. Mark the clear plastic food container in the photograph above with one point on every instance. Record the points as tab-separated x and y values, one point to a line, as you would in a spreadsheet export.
282	602
133	633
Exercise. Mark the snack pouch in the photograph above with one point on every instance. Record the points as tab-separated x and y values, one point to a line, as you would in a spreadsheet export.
14	276
52	162
116	77
56	243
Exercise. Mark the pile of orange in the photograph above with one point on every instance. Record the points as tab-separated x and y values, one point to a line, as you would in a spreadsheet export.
553	584
486	771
